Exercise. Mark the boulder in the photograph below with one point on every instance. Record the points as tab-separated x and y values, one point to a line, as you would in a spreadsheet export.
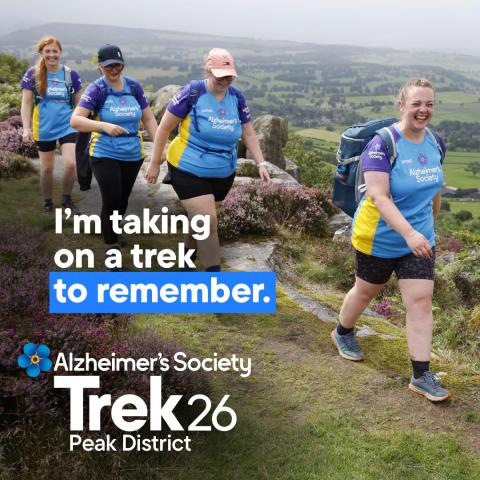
276	174
272	133
161	98
292	168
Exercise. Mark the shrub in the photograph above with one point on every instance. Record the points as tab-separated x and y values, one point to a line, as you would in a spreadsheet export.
465	276
463	215
11	139
258	208
248	170
14	165
315	169
24	267
445	205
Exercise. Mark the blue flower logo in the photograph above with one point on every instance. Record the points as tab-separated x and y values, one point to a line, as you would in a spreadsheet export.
35	359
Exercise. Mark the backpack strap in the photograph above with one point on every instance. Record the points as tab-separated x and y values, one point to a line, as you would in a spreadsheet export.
69	84
388	139
390	143
67	78
193	94
436	138
103	87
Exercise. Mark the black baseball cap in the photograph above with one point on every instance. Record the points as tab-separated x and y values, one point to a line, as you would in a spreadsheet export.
109	54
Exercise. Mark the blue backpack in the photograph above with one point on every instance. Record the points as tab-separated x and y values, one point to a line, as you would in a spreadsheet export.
348	183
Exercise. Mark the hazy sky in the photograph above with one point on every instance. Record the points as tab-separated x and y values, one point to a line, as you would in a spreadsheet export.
422	24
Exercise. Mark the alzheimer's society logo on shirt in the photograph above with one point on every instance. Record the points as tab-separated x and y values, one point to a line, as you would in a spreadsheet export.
422	159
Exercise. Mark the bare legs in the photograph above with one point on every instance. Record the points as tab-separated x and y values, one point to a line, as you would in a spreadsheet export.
417	299
69	167
208	249
47	161
357	300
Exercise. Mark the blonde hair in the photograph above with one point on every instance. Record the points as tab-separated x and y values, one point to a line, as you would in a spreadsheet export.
413	82
40	67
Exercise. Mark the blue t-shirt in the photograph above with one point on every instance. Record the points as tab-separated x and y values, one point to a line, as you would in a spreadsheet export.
415	179
210	152
51	117
121	108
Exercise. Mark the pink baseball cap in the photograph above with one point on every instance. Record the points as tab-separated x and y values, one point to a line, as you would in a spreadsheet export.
220	63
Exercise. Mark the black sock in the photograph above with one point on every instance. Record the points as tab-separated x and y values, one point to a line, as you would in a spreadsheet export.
48	201
342	330
66	197
213	268
419	368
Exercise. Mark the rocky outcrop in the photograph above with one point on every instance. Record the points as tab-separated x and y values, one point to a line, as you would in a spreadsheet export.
272	133
160	100
292	168
276	174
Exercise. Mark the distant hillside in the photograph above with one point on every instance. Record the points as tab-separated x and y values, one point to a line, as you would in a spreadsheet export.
314	86
142	40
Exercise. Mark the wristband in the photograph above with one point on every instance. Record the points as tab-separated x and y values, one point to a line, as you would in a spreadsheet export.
261	164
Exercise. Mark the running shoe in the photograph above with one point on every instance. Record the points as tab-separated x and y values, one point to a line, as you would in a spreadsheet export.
347	346
48	208
68	203
429	387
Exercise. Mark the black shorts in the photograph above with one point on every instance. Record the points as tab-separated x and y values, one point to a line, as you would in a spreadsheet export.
51	144
187	185
378	270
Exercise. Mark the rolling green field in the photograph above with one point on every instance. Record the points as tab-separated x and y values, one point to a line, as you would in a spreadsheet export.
319	134
457	205
454	169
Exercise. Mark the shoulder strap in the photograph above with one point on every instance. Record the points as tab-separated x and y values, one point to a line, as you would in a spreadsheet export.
193	94
436	138
69	84
133	86
67	74
103	87
389	140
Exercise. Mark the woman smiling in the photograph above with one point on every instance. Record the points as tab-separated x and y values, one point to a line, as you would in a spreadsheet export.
51	89
116	152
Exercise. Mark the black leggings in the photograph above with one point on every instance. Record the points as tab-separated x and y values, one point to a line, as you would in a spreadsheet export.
115	179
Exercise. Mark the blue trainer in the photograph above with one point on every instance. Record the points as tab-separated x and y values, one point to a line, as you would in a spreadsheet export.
428	386
347	346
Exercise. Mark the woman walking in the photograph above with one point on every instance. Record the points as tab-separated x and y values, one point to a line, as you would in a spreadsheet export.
202	158
116	149
51	90
393	231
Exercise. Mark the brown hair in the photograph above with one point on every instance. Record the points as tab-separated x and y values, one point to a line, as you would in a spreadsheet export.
40	67
413	82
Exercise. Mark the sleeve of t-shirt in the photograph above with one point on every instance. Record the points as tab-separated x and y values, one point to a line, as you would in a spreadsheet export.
76	81
140	95
90	97
27	81
374	157
178	106
243	110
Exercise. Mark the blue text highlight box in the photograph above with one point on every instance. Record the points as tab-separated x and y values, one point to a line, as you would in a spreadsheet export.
162	292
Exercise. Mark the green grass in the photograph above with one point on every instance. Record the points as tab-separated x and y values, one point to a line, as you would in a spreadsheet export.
454	169
320	134
457	205
303	414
